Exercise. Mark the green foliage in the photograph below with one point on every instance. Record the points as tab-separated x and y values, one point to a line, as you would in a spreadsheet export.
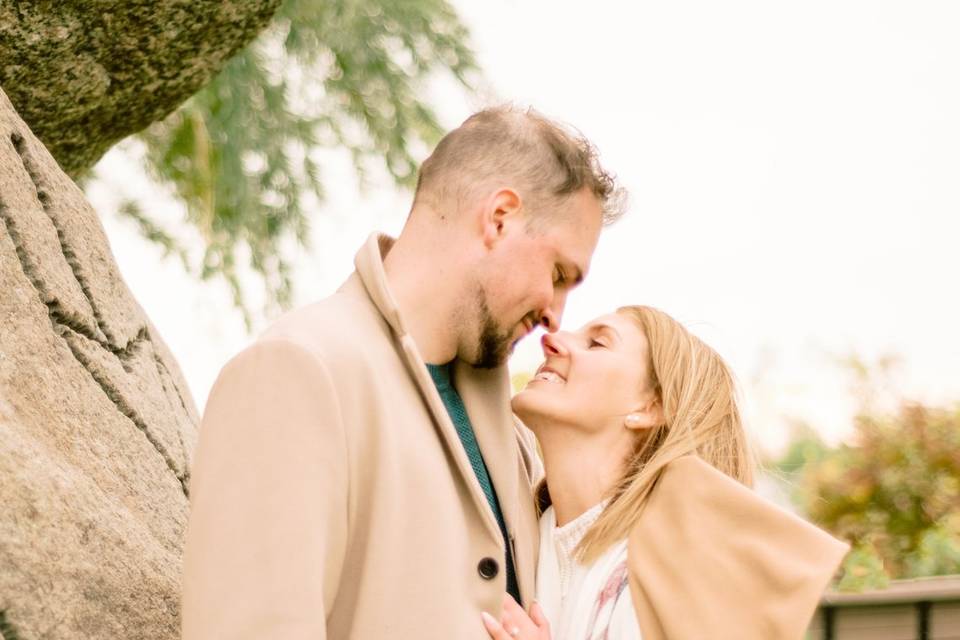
153	232
894	493
938	552
241	153
862	570
7	632
805	448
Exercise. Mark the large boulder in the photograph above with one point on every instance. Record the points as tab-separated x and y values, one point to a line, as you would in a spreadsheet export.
97	426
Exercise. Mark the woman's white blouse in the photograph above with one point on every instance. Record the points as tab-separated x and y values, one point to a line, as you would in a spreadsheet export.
581	602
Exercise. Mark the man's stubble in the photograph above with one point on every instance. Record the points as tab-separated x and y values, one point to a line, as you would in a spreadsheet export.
494	345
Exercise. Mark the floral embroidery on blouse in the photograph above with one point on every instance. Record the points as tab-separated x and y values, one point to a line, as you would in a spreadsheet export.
599	626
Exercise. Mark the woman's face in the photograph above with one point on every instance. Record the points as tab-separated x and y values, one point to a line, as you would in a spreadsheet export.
591	378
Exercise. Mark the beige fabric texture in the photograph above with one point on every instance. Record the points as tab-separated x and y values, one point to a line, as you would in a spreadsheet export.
709	558
331	496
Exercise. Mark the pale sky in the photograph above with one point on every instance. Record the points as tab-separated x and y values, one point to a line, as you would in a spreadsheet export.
793	170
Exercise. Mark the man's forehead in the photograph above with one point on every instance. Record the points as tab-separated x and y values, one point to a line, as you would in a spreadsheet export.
583	226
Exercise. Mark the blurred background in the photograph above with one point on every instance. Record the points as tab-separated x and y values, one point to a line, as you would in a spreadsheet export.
794	202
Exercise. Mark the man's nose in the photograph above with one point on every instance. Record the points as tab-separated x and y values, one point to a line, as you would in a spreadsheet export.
549	321
551	316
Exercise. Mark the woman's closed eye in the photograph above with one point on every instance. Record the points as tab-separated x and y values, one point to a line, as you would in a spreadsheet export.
594	344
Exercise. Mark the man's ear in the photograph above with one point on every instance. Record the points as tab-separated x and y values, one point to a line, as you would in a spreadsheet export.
646	417
503	207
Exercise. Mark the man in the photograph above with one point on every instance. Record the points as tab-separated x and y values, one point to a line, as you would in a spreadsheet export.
359	474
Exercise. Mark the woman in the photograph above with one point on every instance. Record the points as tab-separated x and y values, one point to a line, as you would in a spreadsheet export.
648	527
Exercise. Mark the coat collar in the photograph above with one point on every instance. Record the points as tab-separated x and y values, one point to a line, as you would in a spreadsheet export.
369	265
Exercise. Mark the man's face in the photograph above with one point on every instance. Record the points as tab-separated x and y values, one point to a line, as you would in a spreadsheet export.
529	274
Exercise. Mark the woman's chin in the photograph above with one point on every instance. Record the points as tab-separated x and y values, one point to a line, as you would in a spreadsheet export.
532	407
521	405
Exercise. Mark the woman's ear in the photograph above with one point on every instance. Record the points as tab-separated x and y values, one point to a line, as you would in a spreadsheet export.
646	417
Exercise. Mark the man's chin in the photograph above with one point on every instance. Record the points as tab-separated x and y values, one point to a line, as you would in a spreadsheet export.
493	356
490	362
495	348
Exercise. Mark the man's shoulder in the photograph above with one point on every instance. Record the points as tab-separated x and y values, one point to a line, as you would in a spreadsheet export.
336	329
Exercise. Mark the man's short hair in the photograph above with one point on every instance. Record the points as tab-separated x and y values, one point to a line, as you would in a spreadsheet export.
547	161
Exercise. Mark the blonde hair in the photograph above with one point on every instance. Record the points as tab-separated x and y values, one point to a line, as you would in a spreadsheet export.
698	397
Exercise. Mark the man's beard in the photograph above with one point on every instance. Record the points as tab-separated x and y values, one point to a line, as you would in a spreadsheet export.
493	345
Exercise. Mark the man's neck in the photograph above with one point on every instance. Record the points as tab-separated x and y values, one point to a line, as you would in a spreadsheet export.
426	279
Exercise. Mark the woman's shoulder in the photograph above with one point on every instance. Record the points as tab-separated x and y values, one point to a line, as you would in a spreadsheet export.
704	537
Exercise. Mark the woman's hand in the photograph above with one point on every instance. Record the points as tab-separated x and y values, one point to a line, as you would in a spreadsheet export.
516	624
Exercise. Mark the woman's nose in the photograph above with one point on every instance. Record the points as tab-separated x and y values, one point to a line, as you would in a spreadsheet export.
553	345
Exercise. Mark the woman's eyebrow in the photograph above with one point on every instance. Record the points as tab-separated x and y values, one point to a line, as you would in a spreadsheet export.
604	328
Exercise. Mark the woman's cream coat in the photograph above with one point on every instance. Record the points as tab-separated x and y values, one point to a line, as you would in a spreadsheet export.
709	558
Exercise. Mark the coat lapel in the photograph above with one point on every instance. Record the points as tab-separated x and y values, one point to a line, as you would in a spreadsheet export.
369	265
486	395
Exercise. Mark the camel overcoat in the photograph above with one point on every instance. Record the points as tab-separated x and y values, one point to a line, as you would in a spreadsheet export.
331	496
710	558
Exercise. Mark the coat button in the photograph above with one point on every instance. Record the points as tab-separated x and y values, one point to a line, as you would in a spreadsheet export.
488	568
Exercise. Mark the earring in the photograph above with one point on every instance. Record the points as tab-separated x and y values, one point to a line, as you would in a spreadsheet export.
632	420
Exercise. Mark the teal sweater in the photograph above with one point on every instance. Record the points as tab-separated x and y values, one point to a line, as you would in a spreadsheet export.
458	414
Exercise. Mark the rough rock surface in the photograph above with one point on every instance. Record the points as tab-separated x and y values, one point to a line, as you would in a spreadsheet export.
84	75
96	423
